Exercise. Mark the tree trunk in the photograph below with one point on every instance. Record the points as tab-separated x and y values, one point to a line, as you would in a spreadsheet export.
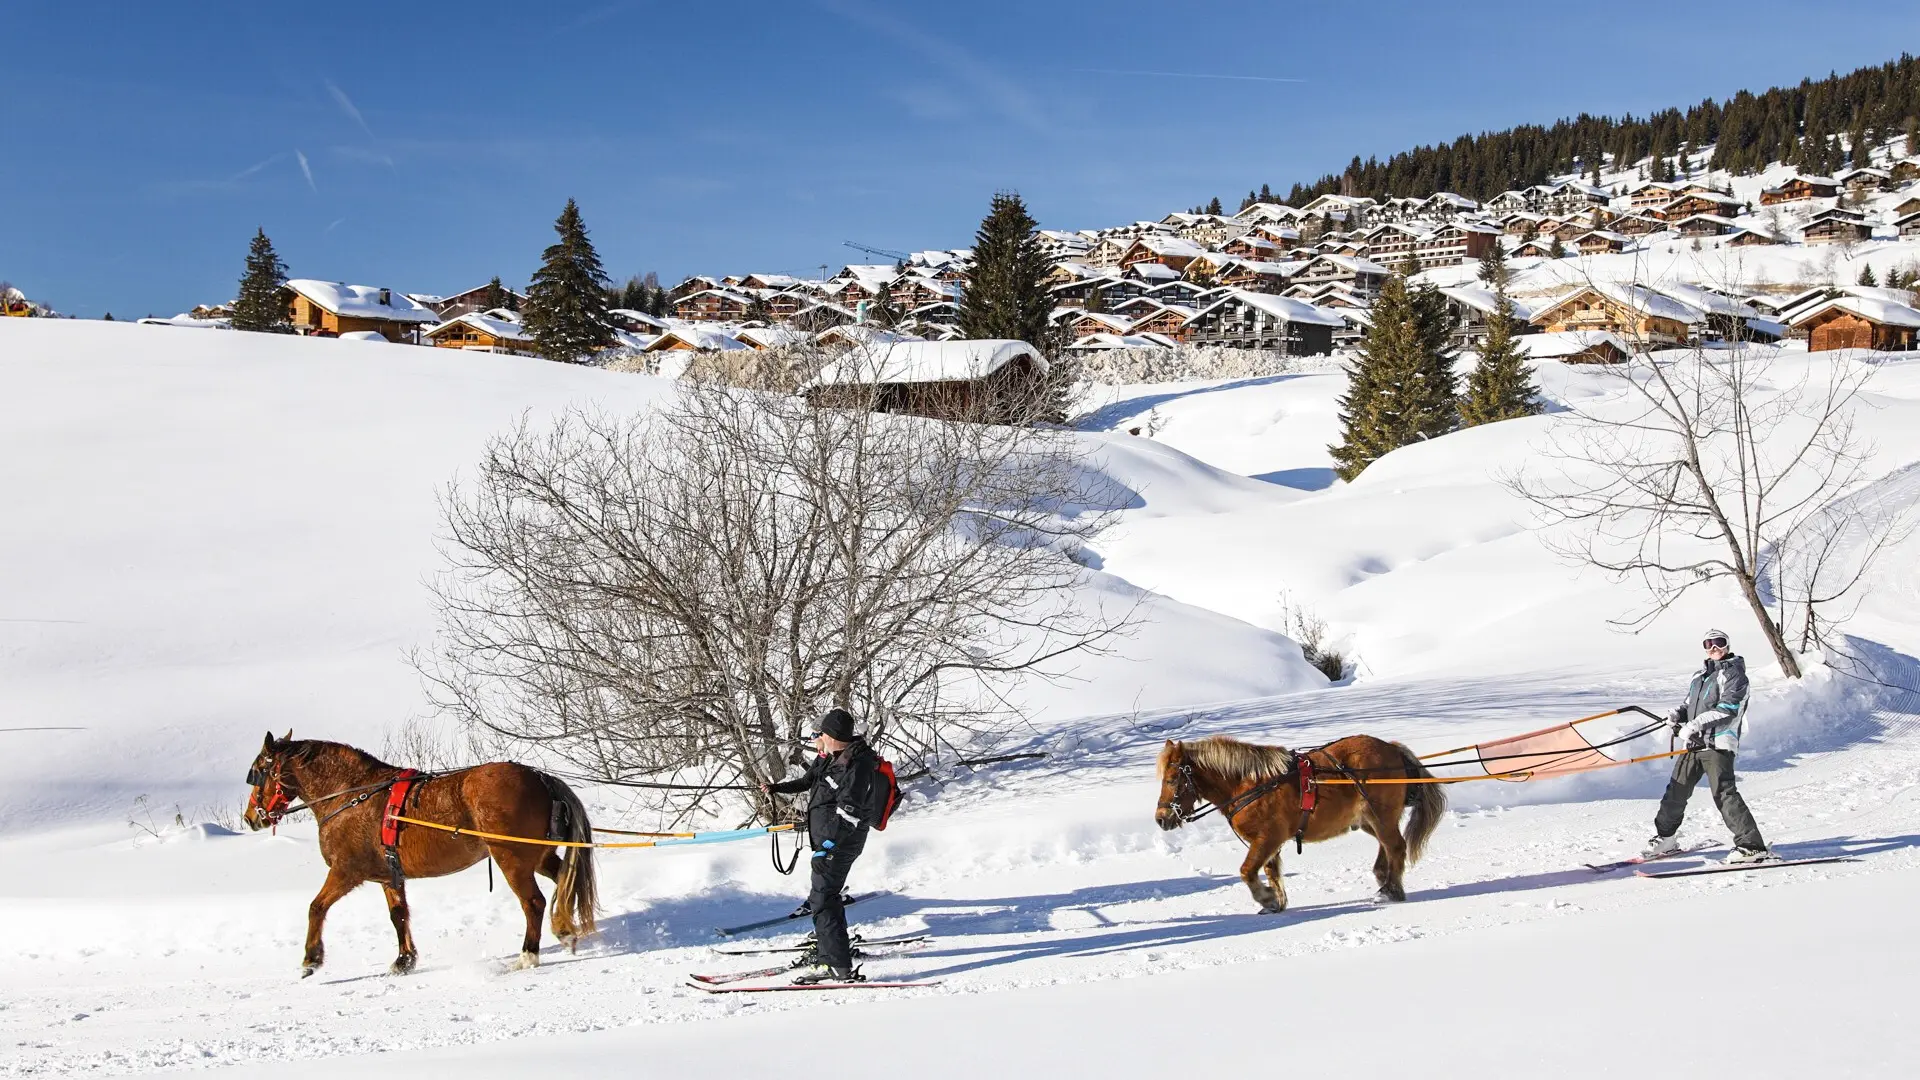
1789	664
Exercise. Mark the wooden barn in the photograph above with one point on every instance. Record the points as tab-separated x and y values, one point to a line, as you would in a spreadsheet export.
330	308
483	332
1858	322
1836	227
984	381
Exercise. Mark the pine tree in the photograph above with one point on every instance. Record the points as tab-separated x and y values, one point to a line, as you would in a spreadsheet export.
1501	386
260	305
109	316
1214	207
494	296
1006	293
1400	386
1096	301
1493	266
1913	136
567	302
1556	249
1866	276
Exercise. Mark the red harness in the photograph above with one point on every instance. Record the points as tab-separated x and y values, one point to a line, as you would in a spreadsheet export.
396	802
1309	794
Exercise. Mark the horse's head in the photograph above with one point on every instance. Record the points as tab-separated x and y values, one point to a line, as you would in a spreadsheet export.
274	788
1177	793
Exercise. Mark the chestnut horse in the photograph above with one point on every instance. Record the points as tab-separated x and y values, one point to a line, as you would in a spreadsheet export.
1256	788
347	790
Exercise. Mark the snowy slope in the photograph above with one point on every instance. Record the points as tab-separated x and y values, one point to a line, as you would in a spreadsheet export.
235	530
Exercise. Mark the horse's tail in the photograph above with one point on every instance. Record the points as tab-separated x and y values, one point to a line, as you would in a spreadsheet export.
576	896
1429	802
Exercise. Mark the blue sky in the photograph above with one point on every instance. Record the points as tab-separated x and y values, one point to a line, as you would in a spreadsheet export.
399	145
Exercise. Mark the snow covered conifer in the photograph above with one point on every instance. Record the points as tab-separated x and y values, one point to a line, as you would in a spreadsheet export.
1400	387
259	306
1006	293
566	311
495	295
1500	387
1493	267
1866	276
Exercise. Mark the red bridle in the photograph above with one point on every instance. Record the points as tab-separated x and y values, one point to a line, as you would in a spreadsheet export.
277	799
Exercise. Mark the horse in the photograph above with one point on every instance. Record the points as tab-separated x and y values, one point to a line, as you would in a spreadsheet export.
1258	790
348	791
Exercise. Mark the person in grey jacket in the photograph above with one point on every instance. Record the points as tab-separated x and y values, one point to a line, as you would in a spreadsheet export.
1709	724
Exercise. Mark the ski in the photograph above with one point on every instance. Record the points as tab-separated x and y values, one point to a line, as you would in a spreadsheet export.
858	944
800	912
740	976
1725	869
1609	867
811	986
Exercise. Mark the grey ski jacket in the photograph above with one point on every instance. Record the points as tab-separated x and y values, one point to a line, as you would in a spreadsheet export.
1716	704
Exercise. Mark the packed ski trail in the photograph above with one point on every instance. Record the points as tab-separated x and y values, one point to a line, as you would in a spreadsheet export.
160	656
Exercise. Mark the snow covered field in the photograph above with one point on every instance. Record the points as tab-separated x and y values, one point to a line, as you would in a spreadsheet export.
206	535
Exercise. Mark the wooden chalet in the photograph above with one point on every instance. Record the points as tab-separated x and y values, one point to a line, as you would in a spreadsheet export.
491	331
1106	252
1169	251
474	299
691	285
1602	242
1907	206
1175	292
1631	312
1750	238
1652	194
1909	226
1560	227
987	381
1836	227
1798	188
1097	322
1687	206
1362	276
1542	249
1520	224
1575	347
1456	243
1286	236
1266	277
1168	319
1858	322
1474	310
1705	225
1905	170
695	339
1635	225
916	291
714	305
938	313
1866	181
331	308
1247	320
1251	245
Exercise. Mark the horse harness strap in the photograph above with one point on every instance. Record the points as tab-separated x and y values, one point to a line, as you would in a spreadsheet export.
1309	795
401	786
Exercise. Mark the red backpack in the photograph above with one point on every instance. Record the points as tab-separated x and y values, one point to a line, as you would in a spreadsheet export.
885	797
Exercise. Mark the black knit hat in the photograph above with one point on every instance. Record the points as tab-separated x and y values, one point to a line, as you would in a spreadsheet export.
837	723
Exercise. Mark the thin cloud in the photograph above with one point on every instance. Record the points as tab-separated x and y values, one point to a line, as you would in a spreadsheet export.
337	222
230	183
1005	96
1187	75
597	15
346	106
249	170
306	170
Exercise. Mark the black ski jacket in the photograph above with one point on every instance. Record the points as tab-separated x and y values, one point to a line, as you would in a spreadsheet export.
840	796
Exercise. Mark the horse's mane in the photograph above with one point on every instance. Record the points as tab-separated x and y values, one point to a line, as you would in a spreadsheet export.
313	749
1231	759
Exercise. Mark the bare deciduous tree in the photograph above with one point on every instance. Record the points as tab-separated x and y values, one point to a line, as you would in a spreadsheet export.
681	593
1706	462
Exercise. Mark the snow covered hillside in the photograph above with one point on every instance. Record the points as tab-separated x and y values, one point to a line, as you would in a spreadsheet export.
207	535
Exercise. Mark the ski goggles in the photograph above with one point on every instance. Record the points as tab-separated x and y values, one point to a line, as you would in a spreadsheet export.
1714	643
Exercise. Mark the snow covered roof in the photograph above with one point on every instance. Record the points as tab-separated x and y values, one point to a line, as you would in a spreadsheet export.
1877	292
700	339
926	362
1485	300
1704	299
1637	297
1153	271
1175	246
1103	342
770	337
362	301
1553	346
638	318
1286	309
1354	263
501	329
1887	312
858	334
177	320
1107	319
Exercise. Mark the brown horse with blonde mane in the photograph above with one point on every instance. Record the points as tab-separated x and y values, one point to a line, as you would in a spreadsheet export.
348	791
1258	790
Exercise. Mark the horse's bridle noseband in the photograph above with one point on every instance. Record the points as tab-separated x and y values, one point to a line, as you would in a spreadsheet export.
277	803
1185	788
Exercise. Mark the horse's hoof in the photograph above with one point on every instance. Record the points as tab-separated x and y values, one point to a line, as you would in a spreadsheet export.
308	969
527	960
402	965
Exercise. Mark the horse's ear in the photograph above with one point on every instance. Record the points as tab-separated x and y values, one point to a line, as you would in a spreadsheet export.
288	737
268	745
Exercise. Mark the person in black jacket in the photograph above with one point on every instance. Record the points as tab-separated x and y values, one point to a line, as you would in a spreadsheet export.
840	785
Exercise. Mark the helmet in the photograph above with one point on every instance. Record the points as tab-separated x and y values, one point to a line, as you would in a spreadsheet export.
1715	635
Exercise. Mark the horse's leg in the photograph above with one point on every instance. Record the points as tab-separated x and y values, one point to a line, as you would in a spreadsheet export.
1276	878
402	929
1391	863
518	865
550	866
337	885
1260	851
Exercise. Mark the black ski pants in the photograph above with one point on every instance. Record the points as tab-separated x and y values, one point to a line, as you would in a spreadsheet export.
830	870
1717	767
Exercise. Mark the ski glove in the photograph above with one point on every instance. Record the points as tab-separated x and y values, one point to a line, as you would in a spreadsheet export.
1677	719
